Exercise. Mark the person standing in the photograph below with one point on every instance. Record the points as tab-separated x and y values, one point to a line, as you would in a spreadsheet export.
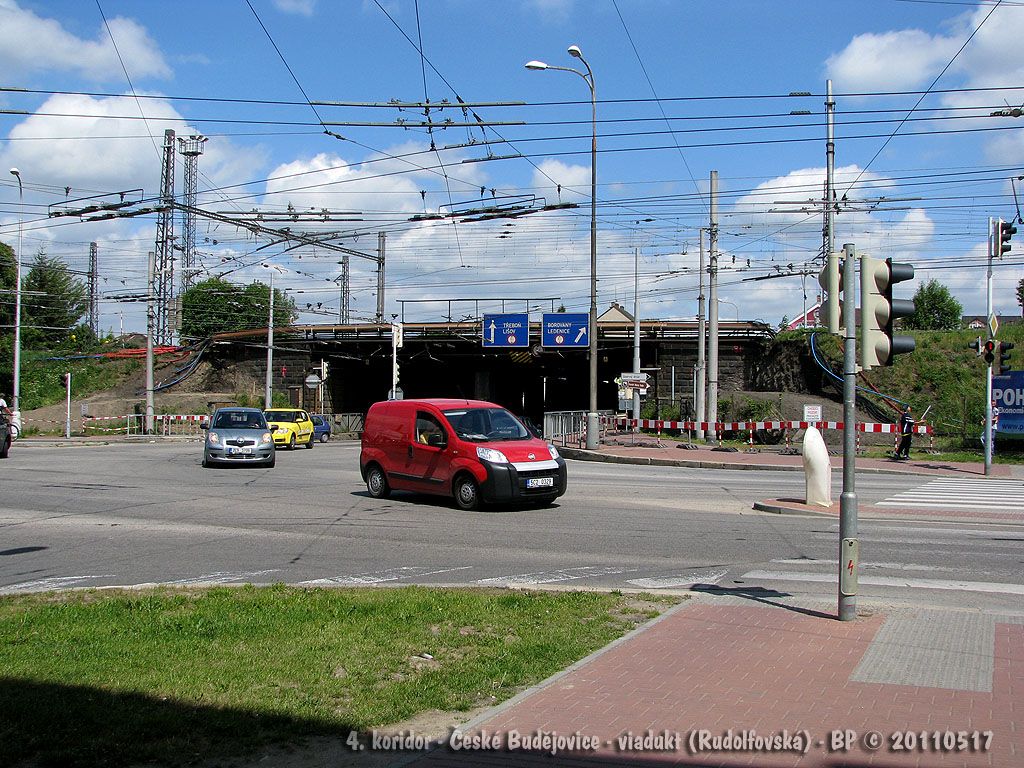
906	431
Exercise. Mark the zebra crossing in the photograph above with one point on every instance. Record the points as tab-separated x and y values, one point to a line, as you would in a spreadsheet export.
962	494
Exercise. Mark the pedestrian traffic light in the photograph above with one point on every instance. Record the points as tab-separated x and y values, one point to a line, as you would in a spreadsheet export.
977	346
1004	357
990	351
879	344
1006	230
831	281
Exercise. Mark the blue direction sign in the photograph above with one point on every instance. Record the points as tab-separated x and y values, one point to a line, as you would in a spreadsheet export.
565	329
506	330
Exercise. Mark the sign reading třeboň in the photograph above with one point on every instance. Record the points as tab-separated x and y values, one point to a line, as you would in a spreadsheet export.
511	330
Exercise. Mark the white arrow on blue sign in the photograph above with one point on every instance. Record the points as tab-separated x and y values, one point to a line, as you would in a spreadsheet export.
565	329
512	330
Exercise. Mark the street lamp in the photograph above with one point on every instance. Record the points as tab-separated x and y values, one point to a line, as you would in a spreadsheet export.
16	393
588	78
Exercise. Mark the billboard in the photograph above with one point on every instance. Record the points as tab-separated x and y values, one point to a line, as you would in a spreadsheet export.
1008	395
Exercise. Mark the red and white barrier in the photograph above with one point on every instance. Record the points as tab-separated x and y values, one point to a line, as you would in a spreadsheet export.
742	426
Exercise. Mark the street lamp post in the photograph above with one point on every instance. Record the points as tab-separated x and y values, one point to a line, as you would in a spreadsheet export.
16	390
588	78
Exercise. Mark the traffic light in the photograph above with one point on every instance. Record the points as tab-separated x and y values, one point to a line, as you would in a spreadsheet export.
977	346
831	281
990	351
879	310
1006	230
1004	357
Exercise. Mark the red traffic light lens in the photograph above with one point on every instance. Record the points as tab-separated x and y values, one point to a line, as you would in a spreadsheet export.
990	345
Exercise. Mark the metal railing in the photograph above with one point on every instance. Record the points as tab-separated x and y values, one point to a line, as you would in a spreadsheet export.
569	428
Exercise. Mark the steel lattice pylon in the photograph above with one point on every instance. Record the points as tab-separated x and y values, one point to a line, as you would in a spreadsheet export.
94	289
190	148
164	278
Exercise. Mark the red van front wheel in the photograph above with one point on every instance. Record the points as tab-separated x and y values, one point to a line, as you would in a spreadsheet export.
466	492
377	482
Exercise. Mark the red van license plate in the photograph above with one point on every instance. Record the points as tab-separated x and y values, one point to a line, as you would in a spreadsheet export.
540	482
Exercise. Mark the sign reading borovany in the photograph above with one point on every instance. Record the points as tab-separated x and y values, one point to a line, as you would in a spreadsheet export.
1008	394
565	329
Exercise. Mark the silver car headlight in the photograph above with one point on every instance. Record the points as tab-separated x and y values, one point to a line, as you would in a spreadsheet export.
553	451
214	438
266	437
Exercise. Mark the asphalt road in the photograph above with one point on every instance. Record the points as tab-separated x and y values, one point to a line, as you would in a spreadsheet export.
137	513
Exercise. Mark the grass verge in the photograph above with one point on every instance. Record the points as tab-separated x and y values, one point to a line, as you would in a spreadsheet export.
169	676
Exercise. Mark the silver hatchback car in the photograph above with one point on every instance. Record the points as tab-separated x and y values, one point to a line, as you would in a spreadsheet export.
238	436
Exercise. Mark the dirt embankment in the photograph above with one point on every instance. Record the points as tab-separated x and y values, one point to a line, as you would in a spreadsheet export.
212	383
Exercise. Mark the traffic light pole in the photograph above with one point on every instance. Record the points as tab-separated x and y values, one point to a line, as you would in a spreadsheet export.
993	243
848	543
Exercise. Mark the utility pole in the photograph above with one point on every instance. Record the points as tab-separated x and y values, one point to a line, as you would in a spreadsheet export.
380	276
150	322
636	334
830	169
702	333
713	313
269	394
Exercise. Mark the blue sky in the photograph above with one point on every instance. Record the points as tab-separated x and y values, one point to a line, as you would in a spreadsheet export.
684	88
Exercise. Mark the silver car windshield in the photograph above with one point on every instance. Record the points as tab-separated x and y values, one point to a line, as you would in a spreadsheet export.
239	420
481	425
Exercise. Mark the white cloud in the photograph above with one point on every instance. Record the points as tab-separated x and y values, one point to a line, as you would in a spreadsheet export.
890	60
108	150
562	183
898	59
552	10
301	7
31	43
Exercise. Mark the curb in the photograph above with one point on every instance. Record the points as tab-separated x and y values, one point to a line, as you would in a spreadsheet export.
779	509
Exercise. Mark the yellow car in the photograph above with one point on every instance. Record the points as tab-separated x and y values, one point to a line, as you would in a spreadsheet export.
290	427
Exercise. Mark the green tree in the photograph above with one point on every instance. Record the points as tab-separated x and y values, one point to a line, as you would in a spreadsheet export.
935	309
8	278
53	302
216	306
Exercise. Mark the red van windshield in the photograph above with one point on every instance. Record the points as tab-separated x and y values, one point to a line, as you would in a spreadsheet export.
481	425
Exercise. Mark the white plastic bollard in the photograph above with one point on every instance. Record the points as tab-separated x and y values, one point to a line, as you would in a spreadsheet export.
817	469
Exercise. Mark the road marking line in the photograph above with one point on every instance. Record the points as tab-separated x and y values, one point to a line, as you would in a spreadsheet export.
888	566
681	580
221	577
54	582
890	581
552	577
380	577
983	506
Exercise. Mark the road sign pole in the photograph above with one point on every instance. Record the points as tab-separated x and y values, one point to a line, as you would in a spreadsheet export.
848	544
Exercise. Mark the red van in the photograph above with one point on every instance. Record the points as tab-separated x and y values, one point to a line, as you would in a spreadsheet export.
471	450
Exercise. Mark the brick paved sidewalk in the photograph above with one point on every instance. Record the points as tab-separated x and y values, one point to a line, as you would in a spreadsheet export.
937	687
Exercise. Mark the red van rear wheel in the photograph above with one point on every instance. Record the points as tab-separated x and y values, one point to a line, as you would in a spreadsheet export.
466	492
377	482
